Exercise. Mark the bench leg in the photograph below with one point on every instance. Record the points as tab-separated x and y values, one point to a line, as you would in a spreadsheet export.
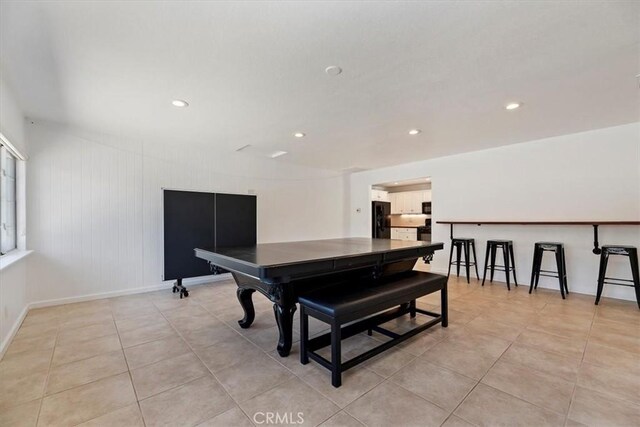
412	309
444	306
304	336
336	355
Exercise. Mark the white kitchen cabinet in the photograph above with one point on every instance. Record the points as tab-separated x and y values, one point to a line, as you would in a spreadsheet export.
414	204
401	233
407	202
426	195
395	206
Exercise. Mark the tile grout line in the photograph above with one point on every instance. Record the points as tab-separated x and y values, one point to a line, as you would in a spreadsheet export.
584	351
135	392
46	383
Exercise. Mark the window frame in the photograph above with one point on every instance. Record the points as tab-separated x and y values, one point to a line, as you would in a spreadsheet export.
19	176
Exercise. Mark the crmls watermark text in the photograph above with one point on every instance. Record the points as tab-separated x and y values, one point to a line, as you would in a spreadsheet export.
278	418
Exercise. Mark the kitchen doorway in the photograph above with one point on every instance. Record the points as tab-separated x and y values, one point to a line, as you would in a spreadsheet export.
402	210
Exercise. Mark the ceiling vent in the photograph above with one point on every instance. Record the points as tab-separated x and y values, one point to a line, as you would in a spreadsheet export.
269	153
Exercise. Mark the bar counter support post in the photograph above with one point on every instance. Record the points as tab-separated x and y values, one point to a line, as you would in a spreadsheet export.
596	245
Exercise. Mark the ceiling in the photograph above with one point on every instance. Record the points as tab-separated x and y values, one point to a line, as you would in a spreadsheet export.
253	73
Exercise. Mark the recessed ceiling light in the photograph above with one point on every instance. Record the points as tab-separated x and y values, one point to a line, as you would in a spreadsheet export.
299	135
512	105
179	103
277	154
414	131
395	183
333	70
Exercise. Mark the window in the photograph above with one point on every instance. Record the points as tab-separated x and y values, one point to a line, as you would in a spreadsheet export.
8	227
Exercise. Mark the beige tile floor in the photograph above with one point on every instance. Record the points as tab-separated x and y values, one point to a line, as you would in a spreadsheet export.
508	358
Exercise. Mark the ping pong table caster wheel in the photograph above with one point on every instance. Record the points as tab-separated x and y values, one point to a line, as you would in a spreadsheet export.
175	289
184	293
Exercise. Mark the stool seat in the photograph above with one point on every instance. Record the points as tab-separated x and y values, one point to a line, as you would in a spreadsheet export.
462	239
500	241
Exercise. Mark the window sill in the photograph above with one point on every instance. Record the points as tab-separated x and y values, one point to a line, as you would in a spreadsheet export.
12	257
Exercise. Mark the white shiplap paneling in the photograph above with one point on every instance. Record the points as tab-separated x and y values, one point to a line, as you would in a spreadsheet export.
95	206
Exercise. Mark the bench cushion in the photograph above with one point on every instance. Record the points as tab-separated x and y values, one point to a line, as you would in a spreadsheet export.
354	301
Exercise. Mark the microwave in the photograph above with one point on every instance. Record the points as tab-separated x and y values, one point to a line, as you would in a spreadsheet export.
426	208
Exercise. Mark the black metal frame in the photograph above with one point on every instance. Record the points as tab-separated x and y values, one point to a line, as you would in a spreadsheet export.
561	265
469	248
507	252
632	254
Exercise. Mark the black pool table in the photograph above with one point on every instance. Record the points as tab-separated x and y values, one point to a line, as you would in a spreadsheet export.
284	271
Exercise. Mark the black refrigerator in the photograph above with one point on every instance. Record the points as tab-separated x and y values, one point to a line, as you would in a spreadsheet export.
380	220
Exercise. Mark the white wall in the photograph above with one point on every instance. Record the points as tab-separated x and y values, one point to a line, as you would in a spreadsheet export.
583	176
95	206
11	117
13	288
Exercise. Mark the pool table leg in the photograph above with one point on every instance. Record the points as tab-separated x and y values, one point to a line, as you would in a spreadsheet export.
284	317
244	296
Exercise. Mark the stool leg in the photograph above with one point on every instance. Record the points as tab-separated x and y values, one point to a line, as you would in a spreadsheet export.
534	267
564	271
505	255
336	362
535	285
633	259
450	259
475	259
604	259
458	256
444	306
513	265
304	336
486	264
466	259
493	261
560	272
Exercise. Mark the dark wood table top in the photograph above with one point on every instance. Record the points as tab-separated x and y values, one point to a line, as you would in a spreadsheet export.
269	260
595	222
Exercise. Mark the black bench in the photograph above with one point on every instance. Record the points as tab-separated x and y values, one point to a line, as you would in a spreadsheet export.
354	303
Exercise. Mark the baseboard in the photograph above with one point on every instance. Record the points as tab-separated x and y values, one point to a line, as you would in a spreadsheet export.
14	330
194	281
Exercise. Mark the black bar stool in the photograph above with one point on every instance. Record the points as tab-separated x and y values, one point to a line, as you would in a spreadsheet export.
469	246
507	252
561	266
628	251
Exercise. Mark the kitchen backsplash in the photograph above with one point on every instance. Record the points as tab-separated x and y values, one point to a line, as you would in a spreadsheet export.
407	220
